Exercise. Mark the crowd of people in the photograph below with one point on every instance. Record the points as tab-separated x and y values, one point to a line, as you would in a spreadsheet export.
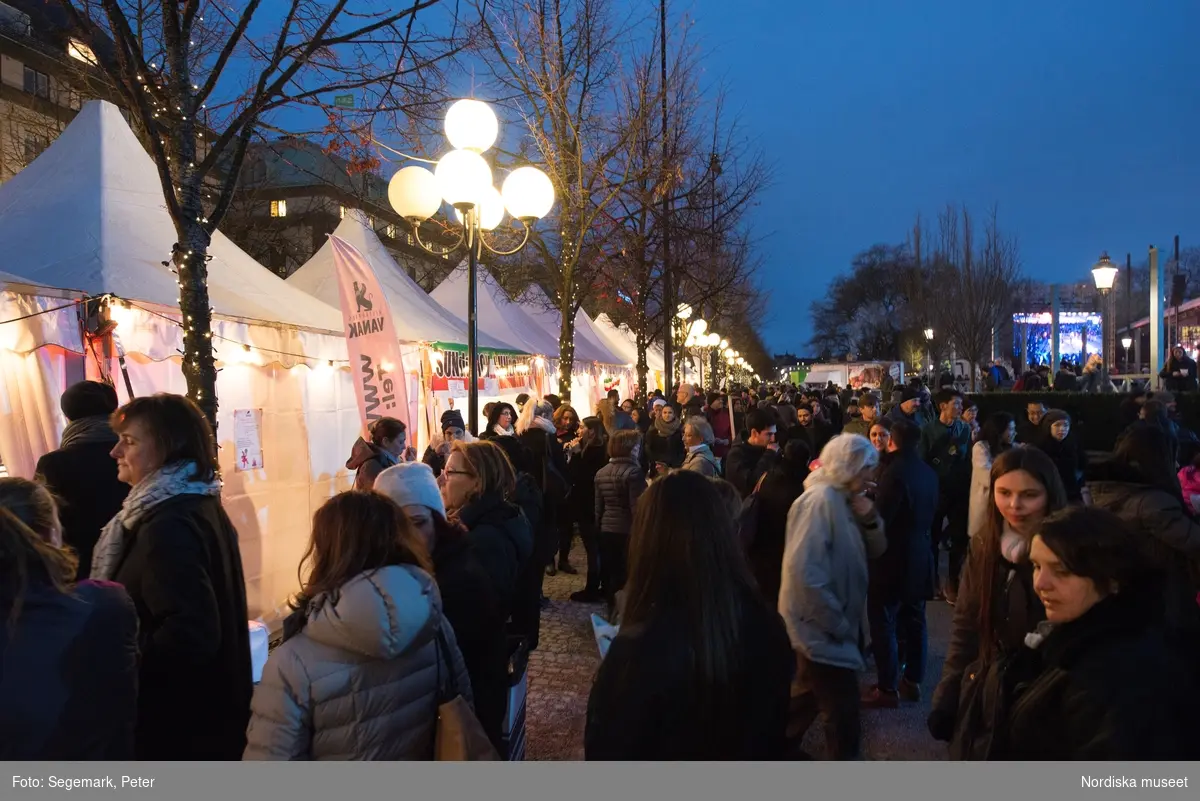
758	549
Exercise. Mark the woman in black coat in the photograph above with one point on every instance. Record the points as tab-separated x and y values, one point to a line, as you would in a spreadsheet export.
702	666
1057	440
664	443
781	486
1103	678
469	601
176	552
590	455
68	690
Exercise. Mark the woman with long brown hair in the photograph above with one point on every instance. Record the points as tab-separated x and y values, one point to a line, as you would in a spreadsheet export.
366	651
997	605
68	690
702	666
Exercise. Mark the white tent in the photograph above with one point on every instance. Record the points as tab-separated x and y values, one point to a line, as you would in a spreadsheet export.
588	346
418	317
623	342
89	215
499	317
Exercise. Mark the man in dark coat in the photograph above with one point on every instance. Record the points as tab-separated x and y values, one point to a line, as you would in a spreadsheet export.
946	447
81	474
902	579
748	461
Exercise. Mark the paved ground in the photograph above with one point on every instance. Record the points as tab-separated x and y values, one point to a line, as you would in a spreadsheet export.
561	672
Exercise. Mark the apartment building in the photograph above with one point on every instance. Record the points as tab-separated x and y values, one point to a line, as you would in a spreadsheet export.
292	194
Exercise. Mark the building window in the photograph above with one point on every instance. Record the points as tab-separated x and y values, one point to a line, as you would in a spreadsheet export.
391	231
342	212
37	83
278	208
34	145
80	51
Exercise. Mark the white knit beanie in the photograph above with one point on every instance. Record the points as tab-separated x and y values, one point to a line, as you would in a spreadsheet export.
411	484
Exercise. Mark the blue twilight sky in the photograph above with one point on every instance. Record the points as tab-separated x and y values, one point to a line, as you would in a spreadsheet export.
1080	120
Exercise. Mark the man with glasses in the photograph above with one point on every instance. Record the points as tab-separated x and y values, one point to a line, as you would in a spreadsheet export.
750	460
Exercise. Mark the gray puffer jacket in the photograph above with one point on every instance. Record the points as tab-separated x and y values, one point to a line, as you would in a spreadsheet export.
619	484
361	680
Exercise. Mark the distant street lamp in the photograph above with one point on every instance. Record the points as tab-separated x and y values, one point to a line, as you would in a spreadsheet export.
929	348
1126	343
1104	273
463	178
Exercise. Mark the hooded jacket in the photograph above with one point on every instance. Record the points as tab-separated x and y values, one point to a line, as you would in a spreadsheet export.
824	591
368	461
361	680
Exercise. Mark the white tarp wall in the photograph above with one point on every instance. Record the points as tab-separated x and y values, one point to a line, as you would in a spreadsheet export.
39	355
309	423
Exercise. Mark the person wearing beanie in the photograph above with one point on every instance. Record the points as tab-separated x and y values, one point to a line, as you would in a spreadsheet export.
453	429
469	600
81	473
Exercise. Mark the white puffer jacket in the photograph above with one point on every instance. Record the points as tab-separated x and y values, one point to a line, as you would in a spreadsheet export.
360	682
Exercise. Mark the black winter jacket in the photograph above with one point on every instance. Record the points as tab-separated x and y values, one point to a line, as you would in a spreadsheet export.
83	477
668	450
503	542
746	464
68	688
1107	686
646	704
780	489
907	500
583	468
470	604
183	569
619	484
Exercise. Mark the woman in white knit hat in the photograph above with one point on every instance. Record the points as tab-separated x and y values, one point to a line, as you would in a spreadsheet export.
468	599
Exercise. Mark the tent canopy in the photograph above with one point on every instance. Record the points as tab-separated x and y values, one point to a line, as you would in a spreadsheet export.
89	214
623	342
498	315
588	346
418	317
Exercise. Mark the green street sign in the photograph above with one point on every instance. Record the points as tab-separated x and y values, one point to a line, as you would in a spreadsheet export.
343	101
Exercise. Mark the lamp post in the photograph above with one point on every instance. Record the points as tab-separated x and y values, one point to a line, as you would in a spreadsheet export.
463	179
929	347
1104	273
1126	343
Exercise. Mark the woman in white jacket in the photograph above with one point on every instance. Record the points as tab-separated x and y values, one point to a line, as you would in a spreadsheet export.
832	530
995	437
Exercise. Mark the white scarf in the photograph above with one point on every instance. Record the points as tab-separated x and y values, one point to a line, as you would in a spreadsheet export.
502	431
165	483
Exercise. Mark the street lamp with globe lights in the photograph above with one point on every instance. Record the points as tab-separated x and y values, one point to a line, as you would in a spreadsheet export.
463	179
1126	343
929	347
1104	273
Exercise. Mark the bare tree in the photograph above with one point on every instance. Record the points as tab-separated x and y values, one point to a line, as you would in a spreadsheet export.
979	282
172	60
562	65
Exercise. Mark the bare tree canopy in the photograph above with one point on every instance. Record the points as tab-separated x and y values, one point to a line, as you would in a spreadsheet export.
200	83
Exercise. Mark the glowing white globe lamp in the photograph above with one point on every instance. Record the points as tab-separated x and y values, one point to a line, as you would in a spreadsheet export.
463	177
414	194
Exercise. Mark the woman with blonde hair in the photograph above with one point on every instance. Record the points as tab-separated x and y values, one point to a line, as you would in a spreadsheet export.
68	690
832	530
480	496
367	653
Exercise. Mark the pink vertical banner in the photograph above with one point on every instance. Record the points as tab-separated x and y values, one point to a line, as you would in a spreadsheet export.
380	383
